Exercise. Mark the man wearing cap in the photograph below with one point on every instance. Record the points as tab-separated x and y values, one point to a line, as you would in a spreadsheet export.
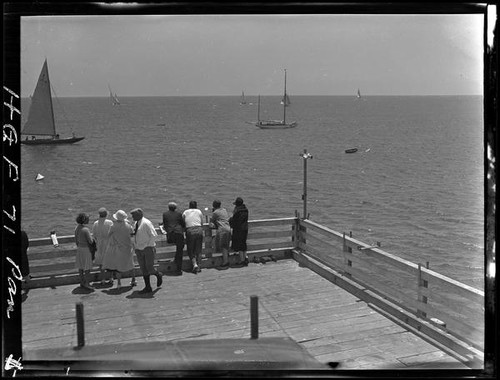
145	248
239	224
174	226
100	231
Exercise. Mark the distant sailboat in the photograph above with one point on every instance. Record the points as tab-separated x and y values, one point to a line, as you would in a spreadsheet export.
242	99
39	177
113	97
359	94
41	115
275	124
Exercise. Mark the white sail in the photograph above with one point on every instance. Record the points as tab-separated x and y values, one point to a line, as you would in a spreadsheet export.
113	97
41	116
285	100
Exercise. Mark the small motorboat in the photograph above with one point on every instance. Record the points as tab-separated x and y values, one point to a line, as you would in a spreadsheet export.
352	150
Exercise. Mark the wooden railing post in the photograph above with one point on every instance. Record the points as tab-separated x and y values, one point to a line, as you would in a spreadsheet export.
254	317
80	329
421	284
208	239
345	248
295	231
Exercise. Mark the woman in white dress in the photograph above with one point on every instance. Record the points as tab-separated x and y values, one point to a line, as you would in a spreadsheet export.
119	255
100	232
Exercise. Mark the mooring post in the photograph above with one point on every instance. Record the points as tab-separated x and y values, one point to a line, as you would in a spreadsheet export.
422	299
254	317
305	156
80	330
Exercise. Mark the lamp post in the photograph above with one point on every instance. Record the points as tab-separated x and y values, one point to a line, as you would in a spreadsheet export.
305	156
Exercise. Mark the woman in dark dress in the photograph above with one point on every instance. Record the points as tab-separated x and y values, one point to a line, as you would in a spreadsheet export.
25	266
239	224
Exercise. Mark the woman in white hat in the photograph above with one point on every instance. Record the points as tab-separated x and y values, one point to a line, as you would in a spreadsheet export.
119	257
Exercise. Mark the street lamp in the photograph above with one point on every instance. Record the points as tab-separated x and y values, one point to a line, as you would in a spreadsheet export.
305	156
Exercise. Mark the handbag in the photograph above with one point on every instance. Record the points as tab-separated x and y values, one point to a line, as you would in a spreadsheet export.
93	249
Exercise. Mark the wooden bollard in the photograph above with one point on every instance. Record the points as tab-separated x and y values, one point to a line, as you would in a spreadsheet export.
254	317
80	330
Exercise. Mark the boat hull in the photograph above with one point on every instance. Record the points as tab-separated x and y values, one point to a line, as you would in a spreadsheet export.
70	140
275	125
352	150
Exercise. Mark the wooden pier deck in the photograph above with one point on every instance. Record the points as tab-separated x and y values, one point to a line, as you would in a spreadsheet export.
331	324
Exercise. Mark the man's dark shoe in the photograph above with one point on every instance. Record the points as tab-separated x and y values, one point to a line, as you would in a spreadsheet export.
178	272
159	279
145	290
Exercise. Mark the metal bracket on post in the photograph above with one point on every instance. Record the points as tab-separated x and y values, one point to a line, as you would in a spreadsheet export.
378	245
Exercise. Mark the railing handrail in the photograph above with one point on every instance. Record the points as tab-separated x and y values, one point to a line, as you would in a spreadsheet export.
410	265
64	239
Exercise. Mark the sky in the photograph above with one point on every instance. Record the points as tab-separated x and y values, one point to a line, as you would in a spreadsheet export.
203	55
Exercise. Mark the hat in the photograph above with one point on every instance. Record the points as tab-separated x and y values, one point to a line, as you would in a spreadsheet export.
102	212
238	201
120	215
216	203
82	218
137	211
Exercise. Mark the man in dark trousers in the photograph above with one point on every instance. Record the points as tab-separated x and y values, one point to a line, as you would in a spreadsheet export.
145	248
173	223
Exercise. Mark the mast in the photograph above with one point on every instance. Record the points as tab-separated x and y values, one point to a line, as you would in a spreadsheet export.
284	102
50	101
258	111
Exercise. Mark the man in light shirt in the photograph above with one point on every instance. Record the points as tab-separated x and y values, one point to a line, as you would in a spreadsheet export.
145	248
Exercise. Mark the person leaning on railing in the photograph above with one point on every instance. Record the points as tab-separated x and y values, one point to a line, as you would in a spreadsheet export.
193	220
173	223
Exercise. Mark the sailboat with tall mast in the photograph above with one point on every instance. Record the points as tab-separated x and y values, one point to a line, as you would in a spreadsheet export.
359	94
41	115
242	98
113	97
276	124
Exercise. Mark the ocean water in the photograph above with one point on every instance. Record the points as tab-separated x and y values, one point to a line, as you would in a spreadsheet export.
416	183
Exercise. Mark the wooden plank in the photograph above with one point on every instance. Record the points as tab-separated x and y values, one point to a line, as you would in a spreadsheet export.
270	234
270	222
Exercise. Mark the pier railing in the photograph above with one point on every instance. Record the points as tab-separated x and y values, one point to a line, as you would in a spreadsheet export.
269	239
444	307
449	313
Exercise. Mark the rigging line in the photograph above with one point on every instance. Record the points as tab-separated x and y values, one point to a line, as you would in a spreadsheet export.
56	97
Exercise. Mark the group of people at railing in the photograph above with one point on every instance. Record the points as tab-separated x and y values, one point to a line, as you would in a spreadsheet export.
111	244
